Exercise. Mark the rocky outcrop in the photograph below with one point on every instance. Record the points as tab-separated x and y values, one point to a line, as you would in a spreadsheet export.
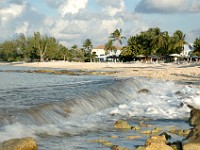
194	136
157	143
19	144
122	124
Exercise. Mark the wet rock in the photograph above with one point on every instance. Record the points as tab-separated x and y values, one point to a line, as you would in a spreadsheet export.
157	143
191	146
122	124
167	136
178	93
103	142
140	148
146	132
145	125
194	136
144	91
19	144
114	136
132	137
107	144
176	145
136	128
116	147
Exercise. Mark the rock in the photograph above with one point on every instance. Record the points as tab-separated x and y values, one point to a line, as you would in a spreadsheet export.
135	128
122	124
176	145
116	147
103	142
157	143
107	144
144	91
155	139
145	125
167	136
19	144
194	136
114	136
140	148
158	146
158	129
191	146
146	132
132	137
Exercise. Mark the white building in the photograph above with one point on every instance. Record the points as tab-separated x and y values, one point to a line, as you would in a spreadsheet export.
187	50
102	56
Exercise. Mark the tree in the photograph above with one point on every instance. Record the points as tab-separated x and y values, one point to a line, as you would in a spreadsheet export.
116	36
197	47
87	44
9	51
64	52
178	39
23	47
109	47
76	54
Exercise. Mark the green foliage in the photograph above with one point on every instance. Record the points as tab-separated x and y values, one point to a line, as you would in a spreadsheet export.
33	48
116	36
87	44
197	47
154	42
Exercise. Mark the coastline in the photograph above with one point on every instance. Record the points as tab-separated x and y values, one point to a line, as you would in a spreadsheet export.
186	74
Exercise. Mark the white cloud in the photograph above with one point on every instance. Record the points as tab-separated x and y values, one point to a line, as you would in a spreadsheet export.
72	7
11	11
112	7
73	23
195	6
168	6
23	28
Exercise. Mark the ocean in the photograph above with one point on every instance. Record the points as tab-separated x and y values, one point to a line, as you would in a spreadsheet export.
68	111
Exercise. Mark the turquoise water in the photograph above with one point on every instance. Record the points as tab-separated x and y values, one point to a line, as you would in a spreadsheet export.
66	112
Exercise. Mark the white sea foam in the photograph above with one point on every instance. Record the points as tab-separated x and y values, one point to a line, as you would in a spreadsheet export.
166	100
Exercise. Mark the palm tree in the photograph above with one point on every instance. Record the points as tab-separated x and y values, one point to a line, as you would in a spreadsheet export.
179	41
116	36
87	44
110	47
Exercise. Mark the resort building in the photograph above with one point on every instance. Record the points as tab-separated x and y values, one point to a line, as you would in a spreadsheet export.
102	55
187	50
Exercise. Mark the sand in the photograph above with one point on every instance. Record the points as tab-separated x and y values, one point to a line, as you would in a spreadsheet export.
187	73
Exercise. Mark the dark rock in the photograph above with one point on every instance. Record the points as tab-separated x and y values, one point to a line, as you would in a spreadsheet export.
167	136
144	91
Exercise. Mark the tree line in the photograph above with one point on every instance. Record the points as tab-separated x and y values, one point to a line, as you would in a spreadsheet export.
155	43
45	48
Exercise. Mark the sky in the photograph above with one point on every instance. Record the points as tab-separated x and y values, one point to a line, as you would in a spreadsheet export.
73	21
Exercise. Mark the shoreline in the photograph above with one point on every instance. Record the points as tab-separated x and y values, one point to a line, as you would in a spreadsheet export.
186	74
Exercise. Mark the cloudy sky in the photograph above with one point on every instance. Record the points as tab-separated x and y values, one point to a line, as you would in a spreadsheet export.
72	21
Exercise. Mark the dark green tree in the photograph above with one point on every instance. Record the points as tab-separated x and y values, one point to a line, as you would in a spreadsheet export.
117	36
197	47
87	44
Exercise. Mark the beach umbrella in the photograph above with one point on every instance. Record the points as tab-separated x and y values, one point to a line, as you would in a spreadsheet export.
175	55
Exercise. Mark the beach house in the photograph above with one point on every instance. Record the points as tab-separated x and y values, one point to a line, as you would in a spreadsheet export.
187	50
103	56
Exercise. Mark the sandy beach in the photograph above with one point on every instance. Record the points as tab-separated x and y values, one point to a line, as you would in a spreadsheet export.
188	73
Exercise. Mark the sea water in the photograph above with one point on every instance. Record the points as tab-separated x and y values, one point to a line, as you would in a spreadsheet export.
67	112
